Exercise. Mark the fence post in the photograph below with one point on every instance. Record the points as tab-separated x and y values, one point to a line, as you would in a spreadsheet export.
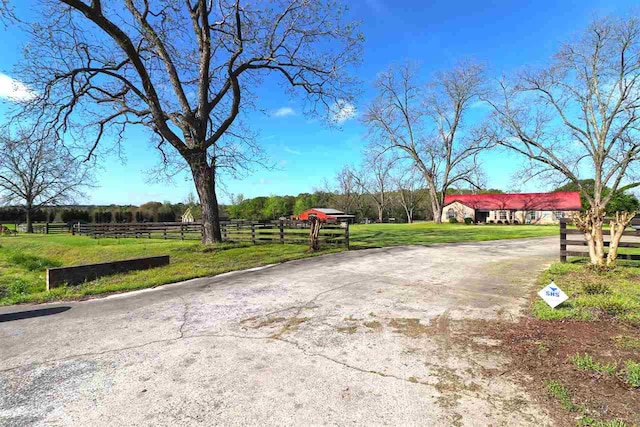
346	236
253	233
181	231
563	240
282	231
224	231
164	233
46	228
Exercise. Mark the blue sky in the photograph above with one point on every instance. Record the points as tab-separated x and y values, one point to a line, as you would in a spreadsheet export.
505	35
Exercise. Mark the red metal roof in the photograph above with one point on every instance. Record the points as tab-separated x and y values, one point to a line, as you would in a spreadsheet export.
560	201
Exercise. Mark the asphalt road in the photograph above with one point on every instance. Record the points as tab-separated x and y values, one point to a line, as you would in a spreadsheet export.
357	338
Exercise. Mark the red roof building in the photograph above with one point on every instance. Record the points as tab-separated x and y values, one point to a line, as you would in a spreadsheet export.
531	208
326	215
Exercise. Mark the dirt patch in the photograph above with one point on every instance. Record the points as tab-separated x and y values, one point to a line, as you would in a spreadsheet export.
374	324
412	327
347	329
540	353
283	324
290	325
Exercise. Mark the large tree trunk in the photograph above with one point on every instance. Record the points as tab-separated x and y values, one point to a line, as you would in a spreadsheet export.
590	223
436	206
29	220
203	177
380	214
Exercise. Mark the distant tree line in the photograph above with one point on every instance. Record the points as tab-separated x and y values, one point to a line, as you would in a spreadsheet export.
147	212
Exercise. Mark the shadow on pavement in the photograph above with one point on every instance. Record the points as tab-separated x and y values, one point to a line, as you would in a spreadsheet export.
19	315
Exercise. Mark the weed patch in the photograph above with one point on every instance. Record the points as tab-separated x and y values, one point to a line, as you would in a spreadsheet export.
633	373
32	262
560	392
587	363
626	343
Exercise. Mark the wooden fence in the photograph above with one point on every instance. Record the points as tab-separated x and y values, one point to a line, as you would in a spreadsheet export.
45	228
574	238
254	232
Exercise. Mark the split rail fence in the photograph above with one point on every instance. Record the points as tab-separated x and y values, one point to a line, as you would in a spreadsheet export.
254	232
574	238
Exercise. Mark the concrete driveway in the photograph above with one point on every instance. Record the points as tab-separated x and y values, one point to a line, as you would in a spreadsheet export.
358	338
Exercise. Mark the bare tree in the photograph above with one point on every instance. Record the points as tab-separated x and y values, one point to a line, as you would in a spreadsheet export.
185	69
409	186
579	117
374	180
39	172
347	194
428	126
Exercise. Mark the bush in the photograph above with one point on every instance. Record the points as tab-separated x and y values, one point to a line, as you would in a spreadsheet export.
453	220
498	222
468	221
491	221
516	222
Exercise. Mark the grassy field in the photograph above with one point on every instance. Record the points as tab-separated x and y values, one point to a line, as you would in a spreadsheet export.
24	258
381	235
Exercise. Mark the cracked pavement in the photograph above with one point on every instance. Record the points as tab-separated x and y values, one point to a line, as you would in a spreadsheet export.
363	337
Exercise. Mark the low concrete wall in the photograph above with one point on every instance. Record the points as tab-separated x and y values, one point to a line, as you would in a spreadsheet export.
83	273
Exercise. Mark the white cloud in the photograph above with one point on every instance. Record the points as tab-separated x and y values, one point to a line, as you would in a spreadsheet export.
14	90
342	112
284	112
292	151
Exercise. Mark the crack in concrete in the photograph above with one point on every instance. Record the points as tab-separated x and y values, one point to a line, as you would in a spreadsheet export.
347	365
185	317
307	304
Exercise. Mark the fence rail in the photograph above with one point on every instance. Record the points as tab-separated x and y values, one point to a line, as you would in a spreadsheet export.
45	228
245	231
567	239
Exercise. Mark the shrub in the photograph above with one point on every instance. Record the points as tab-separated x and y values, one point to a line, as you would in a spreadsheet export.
498	222
516	222
468	221
633	373
490	221
453	220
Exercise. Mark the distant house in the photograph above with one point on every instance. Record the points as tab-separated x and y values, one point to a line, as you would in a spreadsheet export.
326	215
187	216
523	208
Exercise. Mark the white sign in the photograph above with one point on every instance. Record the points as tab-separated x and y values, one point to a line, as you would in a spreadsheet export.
553	295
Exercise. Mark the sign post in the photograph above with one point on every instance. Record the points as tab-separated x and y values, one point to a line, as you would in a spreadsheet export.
553	295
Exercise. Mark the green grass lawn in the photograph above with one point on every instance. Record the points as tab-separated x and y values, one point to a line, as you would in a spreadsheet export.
381	235
592	294
24	259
